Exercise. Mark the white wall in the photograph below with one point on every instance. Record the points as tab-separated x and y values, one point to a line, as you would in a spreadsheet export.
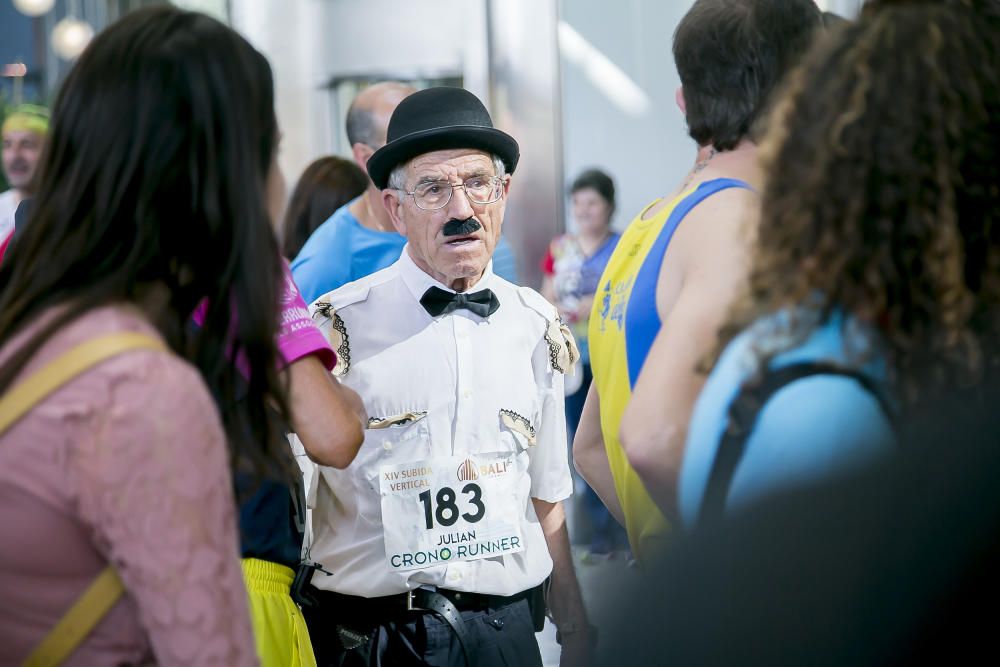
290	35
846	8
216	8
646	153
310	41
524	101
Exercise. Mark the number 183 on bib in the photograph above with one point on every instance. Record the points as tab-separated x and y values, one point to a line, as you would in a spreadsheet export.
450	508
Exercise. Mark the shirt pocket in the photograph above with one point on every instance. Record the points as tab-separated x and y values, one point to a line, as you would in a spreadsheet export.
517	435
390	440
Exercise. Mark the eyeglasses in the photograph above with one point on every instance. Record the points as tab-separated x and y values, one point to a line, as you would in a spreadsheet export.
435	195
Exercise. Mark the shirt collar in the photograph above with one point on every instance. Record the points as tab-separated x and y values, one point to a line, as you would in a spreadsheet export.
419	282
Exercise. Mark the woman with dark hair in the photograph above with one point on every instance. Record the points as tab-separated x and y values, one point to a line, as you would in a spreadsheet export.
150	200
875	281
326	185
571	268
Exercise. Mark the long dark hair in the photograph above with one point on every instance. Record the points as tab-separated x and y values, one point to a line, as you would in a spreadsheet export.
326	185
882	197
153	177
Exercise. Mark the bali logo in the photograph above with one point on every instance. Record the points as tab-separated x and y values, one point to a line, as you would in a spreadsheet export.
467	471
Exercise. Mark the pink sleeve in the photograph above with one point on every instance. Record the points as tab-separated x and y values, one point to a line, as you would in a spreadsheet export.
156	490
548	263
199	313
299	336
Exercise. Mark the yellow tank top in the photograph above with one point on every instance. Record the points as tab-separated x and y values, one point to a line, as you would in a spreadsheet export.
623	324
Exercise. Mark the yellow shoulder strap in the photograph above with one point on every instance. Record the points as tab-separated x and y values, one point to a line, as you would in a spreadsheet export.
106	589
29	392
76	624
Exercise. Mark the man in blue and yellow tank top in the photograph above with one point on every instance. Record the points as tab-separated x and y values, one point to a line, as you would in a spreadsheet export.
678	265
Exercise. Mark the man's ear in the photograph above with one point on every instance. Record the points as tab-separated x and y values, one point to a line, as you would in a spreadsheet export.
361	153
393	202
679	98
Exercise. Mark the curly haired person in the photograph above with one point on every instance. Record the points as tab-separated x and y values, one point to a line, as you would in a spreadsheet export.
877	252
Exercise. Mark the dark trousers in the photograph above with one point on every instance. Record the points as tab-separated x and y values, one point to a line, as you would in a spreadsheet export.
504	637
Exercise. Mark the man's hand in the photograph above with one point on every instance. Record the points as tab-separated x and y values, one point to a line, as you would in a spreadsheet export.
355	403
578	647
564	599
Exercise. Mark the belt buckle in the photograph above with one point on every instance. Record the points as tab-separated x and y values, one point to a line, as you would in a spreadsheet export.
411	603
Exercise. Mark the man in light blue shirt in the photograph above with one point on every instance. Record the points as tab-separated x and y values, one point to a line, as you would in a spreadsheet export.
359	238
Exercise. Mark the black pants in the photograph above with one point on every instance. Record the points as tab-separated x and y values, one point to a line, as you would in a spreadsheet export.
504	637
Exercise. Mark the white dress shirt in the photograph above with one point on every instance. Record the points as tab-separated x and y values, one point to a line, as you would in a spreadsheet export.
8	205
464	372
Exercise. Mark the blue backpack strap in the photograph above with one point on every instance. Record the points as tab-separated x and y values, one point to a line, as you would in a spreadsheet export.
640	338
743	414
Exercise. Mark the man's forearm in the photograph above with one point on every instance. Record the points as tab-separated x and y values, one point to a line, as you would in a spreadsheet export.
564	600
591	457
592	464
656	457
328	417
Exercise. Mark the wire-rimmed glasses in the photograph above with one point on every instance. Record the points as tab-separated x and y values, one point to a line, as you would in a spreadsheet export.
434	195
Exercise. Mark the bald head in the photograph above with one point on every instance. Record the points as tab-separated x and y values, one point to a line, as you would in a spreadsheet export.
368	117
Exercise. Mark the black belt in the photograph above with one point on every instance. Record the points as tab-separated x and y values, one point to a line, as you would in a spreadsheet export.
447	604
393	605
425	599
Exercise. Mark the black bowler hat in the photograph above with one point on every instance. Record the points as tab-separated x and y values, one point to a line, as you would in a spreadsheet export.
438	119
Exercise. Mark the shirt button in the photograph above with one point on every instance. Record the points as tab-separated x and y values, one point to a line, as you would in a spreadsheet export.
454	575
386	446
466	394
497	623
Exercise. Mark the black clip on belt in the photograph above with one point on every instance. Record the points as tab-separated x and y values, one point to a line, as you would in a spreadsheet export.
423	599
300	585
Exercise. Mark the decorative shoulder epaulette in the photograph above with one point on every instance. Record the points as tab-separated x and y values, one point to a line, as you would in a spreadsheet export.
336	333
323	309
563	352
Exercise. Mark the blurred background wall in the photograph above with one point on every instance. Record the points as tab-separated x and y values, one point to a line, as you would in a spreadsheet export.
579	83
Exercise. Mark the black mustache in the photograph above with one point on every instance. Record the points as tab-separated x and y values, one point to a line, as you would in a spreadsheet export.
461	227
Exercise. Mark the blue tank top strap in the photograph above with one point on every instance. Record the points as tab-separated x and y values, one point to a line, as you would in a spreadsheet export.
642	321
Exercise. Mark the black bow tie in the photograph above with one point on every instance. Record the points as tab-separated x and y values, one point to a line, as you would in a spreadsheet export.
437	301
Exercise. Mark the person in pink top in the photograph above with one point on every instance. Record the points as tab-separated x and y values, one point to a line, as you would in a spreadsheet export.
151	199
328	419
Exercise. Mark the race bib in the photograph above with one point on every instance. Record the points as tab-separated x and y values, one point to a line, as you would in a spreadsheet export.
450	508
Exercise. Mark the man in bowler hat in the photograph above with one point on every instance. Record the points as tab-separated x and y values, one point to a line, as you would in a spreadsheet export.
446	538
